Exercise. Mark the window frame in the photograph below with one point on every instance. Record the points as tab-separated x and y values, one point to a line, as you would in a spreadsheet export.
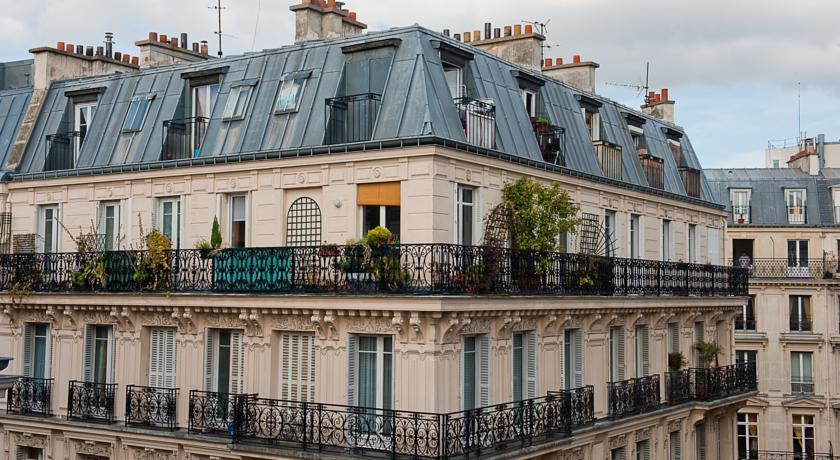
666	235
749	420
112	243
797	360
805	422
232	198
232	103
460	205
177	216
144	101
526	94
289	80
41	228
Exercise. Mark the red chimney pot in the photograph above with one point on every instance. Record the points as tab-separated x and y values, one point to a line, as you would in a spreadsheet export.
126	58
517	29
353	15
164	38
576	58
153	36
559	61
548	62
135	60
59	46
529	29
665	94
330	4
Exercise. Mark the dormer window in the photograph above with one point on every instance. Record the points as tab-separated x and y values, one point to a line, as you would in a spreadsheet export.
740	199
593	124
291	90
637	135
237	102
530	99
795	203
454	79
136	115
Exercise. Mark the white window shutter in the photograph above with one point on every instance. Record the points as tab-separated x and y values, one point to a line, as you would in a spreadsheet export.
155	357
700	439
87	369
675	446
484	370
50	353
211	339
578	346
531	364
19	455
645	355
28	349
674	333
298	367
618	454
352	346
644	450
170	358
620	351
285	366
308	367
237	363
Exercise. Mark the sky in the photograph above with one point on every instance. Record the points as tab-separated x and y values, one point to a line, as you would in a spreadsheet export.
737	69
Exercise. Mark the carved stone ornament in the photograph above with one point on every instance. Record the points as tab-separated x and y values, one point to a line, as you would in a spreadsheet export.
30	440
643	434
618	441
102	449
324	325
577	453
147	453
674	425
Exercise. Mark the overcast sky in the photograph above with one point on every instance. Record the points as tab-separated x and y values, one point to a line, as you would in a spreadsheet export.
731	65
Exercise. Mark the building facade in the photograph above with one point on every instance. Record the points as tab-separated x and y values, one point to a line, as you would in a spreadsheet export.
289	340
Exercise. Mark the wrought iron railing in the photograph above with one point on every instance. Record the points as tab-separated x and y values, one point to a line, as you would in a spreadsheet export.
30	396
401	269
182	139
800	324
151	407
633	396
351	118
797	214
802	386
654	168
710	383
479	121
744	324
741	214
61	149
552	142
784	268
691	180
91	401
776	455
609	158
213	412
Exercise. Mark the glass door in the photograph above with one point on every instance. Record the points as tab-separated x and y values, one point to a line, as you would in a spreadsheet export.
49	229
203	100
795	200
170	220
83	116
375	384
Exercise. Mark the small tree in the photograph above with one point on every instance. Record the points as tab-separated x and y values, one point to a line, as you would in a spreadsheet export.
708	352
676	361
539	214
215	235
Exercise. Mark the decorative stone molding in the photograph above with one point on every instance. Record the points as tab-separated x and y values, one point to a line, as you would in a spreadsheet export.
30	440
102	449
643	434
184	322
577	453
675	425
618	441
148	453
416	325
324	325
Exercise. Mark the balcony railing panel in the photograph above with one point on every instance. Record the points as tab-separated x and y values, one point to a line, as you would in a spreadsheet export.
784	268
745	324
773	455
91	401
182	139
712	383
212	412
633	396
802	386
654	168
30	396
552	142
741	214
479	121
351	118
61	150
691	181
609	158
151	407
797	215
400	269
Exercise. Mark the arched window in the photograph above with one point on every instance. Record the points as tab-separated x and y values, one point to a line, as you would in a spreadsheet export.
303	223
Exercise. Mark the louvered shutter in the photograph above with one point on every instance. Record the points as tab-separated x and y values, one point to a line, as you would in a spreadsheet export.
675	446
578	354
87	369
112	352
28	349
50	353
674	336
298	367
156	357
643	450
19	455
285	366
170	359
618	454
352	361
531	364
644	350
211	338
698	337
483	370
237	362
619	344
700	435
307	367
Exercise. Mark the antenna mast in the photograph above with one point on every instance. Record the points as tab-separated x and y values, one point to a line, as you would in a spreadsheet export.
219	9
543	28
799	110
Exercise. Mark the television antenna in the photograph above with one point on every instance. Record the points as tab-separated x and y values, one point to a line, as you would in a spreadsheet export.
543	28
639	87
218	7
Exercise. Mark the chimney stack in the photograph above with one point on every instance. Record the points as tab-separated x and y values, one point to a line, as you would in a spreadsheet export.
578	73
161	49
659	105
523	48
322	20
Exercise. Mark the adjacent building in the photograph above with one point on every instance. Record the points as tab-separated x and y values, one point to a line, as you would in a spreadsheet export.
290	342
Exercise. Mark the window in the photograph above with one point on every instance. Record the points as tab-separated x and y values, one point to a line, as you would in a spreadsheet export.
673	337
800	313
48	231
109	224
797	258
465	216
692	244
524	365
619	453
803	436
675	445
297	366
203	100
747	436
700	441
454	75
801	373
795	202
609	233
223	361
530	100
635	229
136	114
617	361
370	371
237	102
162	357
379	205
666	240
237	232
29	453
593	124
698	337
83	115
643	450
776	164
99	353
714	245
642	351
740	205
573	362
746	356
745	321
37	348
637	135
303	223
291	89
475	363
170	220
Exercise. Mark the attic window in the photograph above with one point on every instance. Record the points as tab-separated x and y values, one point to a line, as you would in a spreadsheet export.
137	111
291	90
237	102
530	99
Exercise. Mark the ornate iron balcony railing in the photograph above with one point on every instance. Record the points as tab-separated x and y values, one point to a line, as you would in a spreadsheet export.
444	269
479	121
30	396
91	401
351	118
182	139
633	396
797	215
151	407
710	383
212	412
784	268
774	455
745	324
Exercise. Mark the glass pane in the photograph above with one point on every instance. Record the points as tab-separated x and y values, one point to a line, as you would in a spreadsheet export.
167	219
794	367
469	372
387	374
392	220
370	218
367	372
242	101
517	367
39	358
214	93
223	368
132	113
100	354
49	230
238	207
142	106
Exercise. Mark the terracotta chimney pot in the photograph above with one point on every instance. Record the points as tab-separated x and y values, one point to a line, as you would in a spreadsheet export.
517	30
576	59
59	46
665	94
548	62
529	29
153	36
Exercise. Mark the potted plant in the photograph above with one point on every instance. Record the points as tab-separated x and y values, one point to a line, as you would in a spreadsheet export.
541	125
153	266
353	263
208	249
676	361
707	353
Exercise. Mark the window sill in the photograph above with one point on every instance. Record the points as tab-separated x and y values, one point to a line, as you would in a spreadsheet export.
802	337
750	336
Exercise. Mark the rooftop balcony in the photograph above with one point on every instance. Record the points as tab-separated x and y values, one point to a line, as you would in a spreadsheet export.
414	269
351	118
61	150
609	158
787	268
182	139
